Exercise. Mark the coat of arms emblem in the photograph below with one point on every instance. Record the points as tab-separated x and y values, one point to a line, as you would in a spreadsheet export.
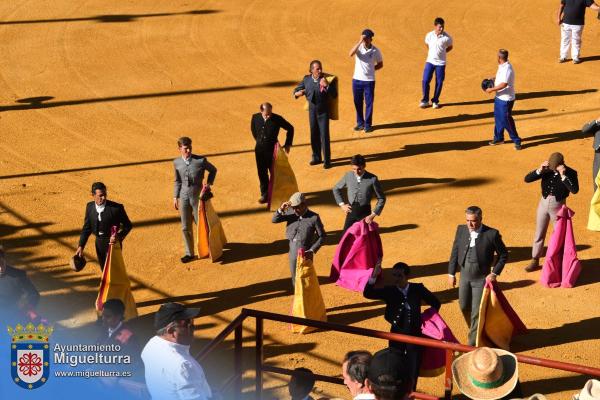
30	355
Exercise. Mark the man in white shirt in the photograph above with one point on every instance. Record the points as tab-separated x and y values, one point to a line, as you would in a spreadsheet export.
368	59
504	87
439	43
171	372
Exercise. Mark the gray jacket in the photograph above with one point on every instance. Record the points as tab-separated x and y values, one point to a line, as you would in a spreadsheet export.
189	176
305	232
360	192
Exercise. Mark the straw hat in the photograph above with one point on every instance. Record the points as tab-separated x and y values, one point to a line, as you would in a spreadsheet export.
590	391
486	374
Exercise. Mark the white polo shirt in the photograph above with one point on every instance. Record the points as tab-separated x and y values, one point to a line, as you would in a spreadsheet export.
505	74
365	61
172	373
437	47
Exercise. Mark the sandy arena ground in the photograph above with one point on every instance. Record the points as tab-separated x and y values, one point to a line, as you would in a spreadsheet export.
100	90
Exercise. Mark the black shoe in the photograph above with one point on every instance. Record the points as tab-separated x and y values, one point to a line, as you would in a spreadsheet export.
359	128
495	142
187	259
369	129
326	166
518	147
262	200
315	162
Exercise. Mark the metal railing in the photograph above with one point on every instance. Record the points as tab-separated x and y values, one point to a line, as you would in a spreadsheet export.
260	367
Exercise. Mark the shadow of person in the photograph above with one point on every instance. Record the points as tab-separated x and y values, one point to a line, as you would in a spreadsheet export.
571	332
34	102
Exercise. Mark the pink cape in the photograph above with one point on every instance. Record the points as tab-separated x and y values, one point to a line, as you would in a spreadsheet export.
433	361
356	255
561	267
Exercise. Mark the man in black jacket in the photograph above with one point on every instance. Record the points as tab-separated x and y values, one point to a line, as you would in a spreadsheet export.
558	181
403	310
318	92
265	127
473	251
100	216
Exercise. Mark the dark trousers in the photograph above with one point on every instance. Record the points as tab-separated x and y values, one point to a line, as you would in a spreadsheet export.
358	212
440	74
264	159
363	90
413	354
319	133
470	290
504	120
102	250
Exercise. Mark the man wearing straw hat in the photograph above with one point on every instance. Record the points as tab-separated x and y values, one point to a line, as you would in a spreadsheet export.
304	229
486	373
557	181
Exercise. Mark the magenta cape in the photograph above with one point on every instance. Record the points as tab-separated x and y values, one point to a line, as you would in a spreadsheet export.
561	267
433	361
356	255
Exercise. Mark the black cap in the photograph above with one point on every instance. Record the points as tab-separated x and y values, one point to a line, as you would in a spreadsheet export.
368	33
487	84
170	312
390	365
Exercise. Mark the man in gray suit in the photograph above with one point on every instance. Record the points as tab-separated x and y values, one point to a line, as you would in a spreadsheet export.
593	128
473	251
318	92
189	175
304	229
361	185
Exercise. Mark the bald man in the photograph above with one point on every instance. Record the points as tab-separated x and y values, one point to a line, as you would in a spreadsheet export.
265	127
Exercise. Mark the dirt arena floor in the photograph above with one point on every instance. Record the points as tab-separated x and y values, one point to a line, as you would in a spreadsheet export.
100	90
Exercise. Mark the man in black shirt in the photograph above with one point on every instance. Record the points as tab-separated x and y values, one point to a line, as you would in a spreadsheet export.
558	181
18	296
100	216
571	18
265	127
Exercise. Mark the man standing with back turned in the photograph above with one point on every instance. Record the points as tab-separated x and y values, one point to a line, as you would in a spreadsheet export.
473	251
189	175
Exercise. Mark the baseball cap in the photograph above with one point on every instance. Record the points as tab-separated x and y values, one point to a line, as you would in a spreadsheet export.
297	199
170	312
389	363
368	33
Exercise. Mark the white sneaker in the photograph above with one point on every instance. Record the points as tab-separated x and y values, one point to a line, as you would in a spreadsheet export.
435	105
424	104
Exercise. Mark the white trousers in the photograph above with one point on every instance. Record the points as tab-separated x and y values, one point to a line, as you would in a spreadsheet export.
570	35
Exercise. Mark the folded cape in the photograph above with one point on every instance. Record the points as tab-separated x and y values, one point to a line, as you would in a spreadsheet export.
356	255
282	182
561	266
594	218
308	301
333	103
114	283
211	237
433	326
498	322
